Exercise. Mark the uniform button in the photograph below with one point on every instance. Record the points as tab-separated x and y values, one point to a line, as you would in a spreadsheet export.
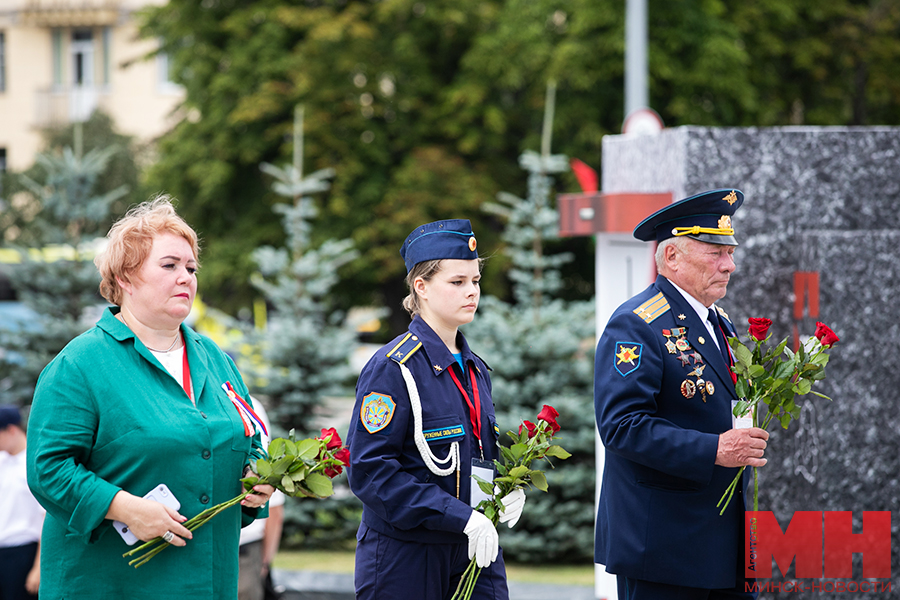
206	454
204	499
203	414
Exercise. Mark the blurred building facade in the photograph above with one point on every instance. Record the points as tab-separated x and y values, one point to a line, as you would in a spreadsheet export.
62	59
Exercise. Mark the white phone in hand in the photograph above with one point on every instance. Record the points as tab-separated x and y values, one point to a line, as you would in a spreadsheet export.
161	494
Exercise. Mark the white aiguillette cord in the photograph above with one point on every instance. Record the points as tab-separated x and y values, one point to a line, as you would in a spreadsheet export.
419	437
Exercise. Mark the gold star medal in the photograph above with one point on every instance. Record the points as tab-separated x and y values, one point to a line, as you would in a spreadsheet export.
670	345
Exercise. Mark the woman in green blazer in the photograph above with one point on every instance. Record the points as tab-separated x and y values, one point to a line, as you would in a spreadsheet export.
137	401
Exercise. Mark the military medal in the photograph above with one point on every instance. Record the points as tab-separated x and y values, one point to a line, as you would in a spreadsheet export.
701	385
670	345
710	388
681	343
688	388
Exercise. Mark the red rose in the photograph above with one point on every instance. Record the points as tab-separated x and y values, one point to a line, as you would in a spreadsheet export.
334	441
531	427
759	328
332	472
825	335
549	414
343	455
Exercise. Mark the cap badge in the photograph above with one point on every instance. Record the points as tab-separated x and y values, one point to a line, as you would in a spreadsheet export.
725	222
731	198
472	243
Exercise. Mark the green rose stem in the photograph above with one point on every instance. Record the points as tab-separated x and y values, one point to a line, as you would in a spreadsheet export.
729	491
157	545
514	473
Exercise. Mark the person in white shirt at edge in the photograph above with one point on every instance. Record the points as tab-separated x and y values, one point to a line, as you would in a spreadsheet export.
21	517
259	540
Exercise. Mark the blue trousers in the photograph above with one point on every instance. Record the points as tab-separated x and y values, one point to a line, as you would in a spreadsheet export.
16	562
390	569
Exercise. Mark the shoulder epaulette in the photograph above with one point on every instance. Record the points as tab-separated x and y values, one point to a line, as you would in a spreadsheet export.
652	308
405	348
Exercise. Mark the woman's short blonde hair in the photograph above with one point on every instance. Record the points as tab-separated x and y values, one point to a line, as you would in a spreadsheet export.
130	241
426	270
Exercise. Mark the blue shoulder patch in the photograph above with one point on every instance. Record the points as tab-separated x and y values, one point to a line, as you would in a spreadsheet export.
627	357
376	412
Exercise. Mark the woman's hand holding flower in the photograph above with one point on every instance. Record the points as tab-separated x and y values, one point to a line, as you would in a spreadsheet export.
259	495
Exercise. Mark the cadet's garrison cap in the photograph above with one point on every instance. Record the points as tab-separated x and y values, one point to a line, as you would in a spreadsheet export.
451	238
705	217
9	415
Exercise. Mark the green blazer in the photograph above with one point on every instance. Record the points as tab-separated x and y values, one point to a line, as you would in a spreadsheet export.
107	416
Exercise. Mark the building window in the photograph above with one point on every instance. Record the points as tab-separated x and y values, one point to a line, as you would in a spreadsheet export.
82	50
2	61
164	82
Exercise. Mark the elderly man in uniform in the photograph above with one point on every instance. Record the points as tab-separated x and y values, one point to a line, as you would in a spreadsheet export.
663	395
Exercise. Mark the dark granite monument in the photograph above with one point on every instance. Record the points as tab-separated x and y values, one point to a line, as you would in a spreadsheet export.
820	241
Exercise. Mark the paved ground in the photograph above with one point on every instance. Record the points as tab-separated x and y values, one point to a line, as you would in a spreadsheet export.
308	585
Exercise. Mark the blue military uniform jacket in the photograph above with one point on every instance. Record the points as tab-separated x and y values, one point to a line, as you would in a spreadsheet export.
401	497
663	394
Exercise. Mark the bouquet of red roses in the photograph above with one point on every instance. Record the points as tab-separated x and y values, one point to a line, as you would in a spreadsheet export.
531	443
775	377
303	468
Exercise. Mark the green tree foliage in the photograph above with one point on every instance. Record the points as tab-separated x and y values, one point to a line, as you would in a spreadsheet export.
380	82
423	107
57	224
306	344
98	132
541	352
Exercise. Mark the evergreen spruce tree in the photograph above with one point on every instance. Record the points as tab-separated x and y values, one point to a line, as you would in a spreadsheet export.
54	228
306	344
541	350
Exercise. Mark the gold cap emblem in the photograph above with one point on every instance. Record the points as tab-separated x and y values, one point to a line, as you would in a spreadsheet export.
730	198
725	222
472	243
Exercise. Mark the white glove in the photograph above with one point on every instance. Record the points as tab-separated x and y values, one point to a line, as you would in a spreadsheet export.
513	504
483	539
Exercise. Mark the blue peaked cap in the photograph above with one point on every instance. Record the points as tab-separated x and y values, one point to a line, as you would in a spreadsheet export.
705	217
451	238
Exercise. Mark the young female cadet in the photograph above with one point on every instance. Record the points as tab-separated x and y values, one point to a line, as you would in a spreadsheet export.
423	424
